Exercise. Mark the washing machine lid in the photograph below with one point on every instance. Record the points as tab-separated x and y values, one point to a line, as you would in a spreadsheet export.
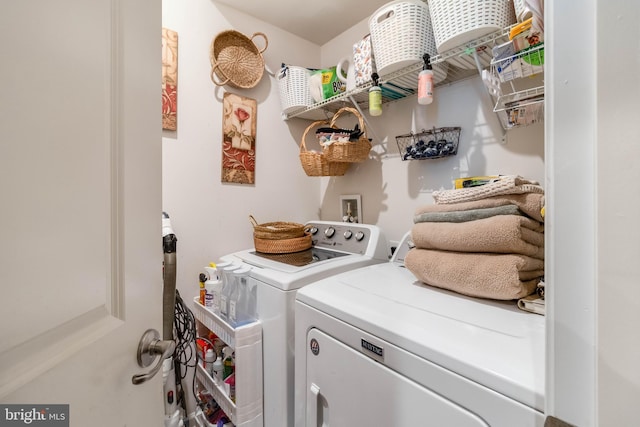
490	342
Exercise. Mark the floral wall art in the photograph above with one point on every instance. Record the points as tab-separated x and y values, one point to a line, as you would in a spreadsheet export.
239	139
169	79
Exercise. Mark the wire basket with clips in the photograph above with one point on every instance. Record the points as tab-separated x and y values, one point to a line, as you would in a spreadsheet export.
429	144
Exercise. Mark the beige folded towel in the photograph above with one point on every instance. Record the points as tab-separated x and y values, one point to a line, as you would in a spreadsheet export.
509	184
529	203
493	276
506	234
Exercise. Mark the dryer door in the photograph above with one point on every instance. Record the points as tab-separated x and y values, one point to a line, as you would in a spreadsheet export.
347	388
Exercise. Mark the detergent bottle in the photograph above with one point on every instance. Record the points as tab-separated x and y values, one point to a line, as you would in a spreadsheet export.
213	282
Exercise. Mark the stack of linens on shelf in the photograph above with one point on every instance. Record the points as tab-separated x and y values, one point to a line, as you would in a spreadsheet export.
485	241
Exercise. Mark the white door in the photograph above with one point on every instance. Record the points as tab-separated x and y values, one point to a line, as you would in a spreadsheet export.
80	210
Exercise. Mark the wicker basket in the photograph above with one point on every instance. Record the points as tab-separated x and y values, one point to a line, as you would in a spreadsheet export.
282	246
293	84
276	230
349	151
457	22
235	59
315	163
298	259
401	34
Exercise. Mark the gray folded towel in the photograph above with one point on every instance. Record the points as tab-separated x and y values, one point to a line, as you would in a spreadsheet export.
529	203
467	215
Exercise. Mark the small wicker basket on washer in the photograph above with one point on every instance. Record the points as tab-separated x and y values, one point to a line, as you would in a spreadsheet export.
401	34
293	85
235	59
279	237
457	22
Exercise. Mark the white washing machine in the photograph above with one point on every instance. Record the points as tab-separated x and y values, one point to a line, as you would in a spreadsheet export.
337	248
375	347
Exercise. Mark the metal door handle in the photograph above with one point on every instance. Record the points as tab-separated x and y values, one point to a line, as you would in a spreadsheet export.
149	347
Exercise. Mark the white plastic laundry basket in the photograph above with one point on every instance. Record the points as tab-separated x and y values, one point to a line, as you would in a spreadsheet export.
460	21
293	83
401	34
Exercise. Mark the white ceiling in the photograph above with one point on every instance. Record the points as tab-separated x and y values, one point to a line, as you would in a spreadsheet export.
315	20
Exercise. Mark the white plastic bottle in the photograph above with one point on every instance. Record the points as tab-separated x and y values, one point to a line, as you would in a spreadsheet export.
425	82
213	282
209	359
217	370
244	306
227	287
237	297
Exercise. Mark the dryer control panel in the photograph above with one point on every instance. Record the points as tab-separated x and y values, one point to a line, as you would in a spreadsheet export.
346	237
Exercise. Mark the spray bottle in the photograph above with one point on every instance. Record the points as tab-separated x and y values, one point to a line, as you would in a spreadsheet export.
227	288
375	97
425	82
213	286
209	285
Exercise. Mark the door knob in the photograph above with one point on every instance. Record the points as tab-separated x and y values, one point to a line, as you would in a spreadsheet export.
149	347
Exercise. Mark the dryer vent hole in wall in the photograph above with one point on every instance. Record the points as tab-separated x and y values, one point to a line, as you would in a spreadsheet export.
393	245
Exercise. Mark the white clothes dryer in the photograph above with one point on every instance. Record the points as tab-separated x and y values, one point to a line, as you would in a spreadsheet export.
375	347
337	247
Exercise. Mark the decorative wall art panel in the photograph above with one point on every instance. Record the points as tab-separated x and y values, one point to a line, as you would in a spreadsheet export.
239	139
169	79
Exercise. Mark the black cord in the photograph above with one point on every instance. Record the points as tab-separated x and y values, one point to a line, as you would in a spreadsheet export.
184	356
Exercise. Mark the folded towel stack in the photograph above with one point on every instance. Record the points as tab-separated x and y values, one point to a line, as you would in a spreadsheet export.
485	241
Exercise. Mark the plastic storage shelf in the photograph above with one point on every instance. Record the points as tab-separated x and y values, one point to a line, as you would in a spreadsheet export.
246	341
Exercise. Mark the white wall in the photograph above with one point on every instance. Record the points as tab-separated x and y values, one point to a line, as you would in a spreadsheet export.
593	376
209	218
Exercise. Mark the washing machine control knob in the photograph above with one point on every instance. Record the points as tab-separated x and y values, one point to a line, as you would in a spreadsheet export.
329	232
359	236
347	234
313	230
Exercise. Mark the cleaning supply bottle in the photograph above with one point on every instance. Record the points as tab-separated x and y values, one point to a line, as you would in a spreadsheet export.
203	292
209	359
425	82
217	370
240	310
228	362
227	287
375	97
212	282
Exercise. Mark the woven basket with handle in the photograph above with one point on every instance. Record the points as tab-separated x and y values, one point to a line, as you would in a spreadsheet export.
349	151
316	163
235	59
